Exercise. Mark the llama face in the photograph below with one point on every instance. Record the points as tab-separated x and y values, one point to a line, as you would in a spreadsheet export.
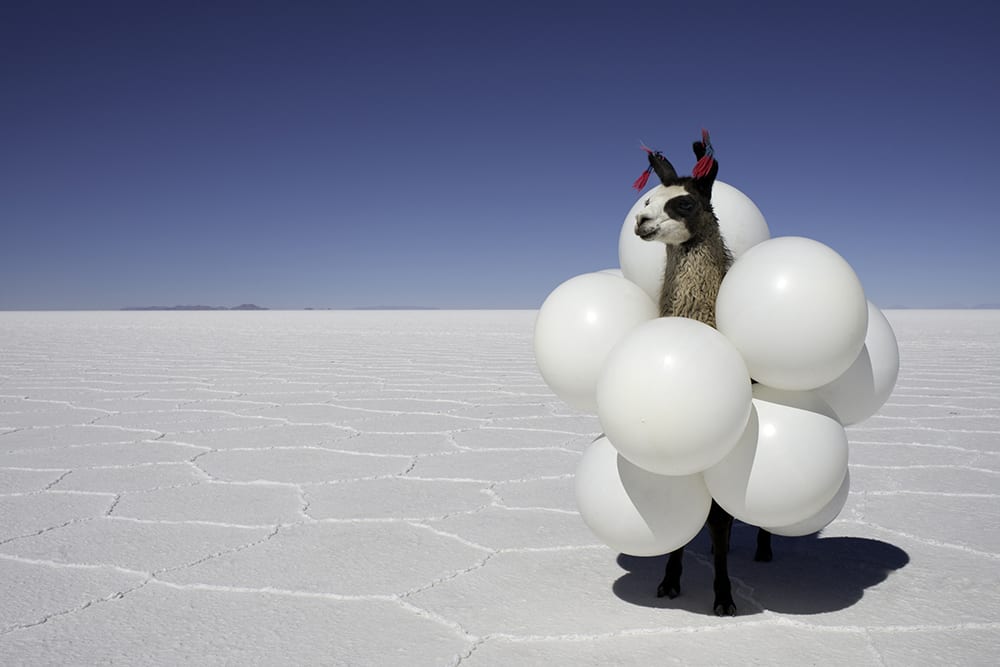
668	215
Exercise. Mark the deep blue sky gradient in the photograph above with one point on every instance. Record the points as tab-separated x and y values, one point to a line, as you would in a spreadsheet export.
473	154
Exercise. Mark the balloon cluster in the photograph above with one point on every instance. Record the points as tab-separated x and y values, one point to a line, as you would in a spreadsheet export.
682	422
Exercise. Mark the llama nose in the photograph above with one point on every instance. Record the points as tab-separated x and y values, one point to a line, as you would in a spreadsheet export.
640	219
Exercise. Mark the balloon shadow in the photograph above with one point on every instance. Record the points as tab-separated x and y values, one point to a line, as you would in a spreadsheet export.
809	575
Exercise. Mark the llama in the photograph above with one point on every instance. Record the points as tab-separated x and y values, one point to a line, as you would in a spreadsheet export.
681	217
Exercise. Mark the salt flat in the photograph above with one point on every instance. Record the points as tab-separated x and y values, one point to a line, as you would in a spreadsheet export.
395	488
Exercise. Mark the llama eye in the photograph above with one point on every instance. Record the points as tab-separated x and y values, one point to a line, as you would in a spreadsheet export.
647	203
683	205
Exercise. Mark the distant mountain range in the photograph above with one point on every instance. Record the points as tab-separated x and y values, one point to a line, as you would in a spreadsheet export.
245	306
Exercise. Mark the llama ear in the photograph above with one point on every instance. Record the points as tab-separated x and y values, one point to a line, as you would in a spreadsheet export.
699	149
707	168
703	184
663	168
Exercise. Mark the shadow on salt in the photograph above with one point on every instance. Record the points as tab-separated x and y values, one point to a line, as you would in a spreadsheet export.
809	575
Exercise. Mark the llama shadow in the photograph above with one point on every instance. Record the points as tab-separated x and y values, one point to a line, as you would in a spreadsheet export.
809	575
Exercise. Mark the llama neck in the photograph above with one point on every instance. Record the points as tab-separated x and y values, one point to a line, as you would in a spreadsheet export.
691	282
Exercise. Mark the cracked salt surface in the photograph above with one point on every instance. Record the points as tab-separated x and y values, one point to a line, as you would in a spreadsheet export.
397	488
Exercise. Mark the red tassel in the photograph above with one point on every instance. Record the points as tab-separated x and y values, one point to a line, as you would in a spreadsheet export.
640	182
703	167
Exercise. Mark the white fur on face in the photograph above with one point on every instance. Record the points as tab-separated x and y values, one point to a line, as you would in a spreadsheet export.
652	222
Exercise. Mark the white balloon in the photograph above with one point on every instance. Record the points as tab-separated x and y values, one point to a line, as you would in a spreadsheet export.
795	310
576	327
804	399
633	510
821	519
788	465
740	221
674	396
644	262
613	272
866	385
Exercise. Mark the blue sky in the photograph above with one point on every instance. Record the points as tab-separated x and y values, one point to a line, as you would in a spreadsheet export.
477	154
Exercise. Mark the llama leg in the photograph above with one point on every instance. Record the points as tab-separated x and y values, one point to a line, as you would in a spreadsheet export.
720	523
763	553
671	584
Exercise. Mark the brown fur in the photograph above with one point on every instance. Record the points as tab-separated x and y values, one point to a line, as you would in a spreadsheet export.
694	272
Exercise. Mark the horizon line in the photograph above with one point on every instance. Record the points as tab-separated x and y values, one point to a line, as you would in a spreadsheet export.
380	308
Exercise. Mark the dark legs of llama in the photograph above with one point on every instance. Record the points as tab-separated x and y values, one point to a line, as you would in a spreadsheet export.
720	525
763	553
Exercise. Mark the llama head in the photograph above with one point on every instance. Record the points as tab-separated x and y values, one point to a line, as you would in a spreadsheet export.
681	210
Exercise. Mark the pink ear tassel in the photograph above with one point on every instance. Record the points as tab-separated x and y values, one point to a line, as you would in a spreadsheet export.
640	182
704	165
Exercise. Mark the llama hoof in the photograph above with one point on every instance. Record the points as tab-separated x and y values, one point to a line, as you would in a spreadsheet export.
725	608
668	590
724	605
